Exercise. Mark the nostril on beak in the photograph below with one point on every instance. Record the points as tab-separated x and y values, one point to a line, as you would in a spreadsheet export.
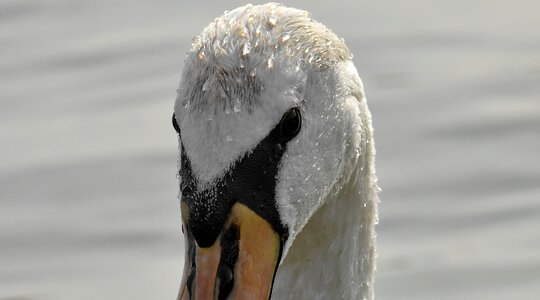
229	256
225	281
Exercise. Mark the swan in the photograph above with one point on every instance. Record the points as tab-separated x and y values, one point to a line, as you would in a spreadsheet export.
277	182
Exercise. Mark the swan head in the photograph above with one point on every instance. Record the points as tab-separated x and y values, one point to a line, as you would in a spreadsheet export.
269	128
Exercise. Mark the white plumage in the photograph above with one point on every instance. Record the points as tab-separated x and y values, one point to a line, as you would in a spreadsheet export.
242	73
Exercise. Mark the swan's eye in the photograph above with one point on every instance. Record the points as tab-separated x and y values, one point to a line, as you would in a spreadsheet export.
174	124
290	124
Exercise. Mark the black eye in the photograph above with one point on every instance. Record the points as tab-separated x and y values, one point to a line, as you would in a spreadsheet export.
174	124
290	124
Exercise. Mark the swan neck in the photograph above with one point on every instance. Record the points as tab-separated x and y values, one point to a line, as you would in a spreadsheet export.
334	255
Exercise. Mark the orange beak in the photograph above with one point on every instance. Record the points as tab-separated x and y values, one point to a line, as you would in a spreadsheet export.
241	263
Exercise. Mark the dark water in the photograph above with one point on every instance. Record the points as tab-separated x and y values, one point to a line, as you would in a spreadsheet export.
88	156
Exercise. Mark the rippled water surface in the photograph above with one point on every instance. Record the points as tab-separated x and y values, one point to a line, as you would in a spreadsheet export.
88	155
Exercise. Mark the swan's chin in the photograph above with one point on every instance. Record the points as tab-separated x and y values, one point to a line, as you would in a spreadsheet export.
240	264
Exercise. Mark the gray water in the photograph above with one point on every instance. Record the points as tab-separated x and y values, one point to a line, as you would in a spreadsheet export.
88	206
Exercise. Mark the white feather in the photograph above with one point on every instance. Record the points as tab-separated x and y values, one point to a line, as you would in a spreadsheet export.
243	72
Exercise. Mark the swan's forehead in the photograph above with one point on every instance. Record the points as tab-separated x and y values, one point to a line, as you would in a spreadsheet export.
242	73
236	56
265	29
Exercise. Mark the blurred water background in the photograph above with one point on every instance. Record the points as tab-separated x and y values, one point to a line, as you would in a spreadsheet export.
88	206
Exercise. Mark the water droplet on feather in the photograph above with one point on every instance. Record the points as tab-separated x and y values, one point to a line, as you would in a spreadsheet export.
236	106
246	49
206	85
272	21
201	56
270	62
